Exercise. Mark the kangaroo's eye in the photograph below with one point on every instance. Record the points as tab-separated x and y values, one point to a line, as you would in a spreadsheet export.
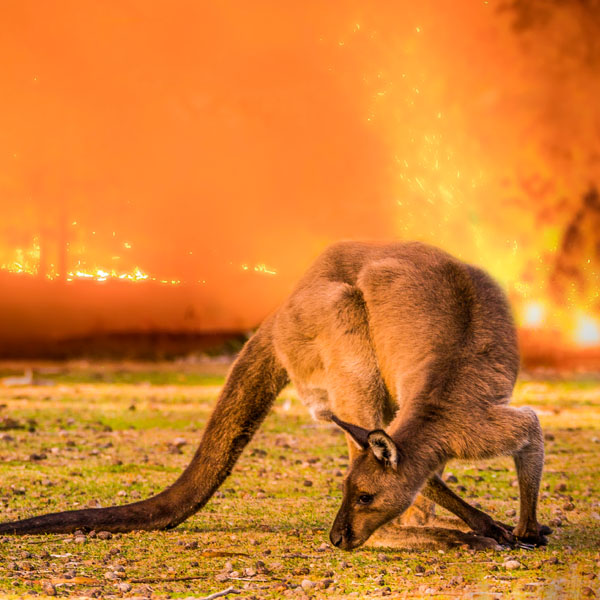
365	499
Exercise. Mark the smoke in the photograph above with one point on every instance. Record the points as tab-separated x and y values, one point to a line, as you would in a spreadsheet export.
192	140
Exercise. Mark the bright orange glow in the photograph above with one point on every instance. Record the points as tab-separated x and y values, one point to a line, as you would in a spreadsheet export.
214	149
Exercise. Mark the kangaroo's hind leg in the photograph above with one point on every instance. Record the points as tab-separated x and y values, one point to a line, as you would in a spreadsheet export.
515	431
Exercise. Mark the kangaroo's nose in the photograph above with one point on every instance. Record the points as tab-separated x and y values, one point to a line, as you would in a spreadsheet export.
336	538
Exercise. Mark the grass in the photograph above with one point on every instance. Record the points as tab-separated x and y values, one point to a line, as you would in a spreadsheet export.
107	433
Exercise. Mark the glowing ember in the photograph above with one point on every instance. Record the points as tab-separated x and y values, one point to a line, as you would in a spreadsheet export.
534	314
587	331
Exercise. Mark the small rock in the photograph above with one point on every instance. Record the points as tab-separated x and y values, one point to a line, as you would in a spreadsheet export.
104	535
191	545
124	587
307	584
79	539
569	506
111	576
222	577
326	583
451	478
307	483
561	487
179	442
419	569
383	557
556	522
512	564
511	513
48	589
261	567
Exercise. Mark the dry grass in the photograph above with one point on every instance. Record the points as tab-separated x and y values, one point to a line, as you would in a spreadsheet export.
106	435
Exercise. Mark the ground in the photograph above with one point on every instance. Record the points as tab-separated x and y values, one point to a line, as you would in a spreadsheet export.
94	435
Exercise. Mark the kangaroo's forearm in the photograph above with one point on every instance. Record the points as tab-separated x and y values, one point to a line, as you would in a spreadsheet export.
437	491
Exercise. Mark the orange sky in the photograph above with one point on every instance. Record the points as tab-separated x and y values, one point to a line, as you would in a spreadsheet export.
211	135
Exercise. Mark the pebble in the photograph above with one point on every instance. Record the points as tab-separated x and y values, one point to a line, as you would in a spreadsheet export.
179	442
326	583
307	584
512	564
561	487
511	513
307	483
111	576
569	506
48	589
79	539
124	587
261	567
104	535
451	478
383	557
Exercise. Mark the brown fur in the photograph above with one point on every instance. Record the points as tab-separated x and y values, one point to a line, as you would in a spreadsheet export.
412	352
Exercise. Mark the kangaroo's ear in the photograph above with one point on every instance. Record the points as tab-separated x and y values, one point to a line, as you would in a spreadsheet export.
384	448
358	434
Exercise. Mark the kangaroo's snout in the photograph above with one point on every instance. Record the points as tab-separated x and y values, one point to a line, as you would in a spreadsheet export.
335	538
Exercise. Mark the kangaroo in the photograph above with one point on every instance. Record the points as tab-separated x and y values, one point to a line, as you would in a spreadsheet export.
411	352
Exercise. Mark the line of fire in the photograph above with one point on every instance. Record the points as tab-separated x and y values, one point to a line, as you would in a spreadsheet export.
161	192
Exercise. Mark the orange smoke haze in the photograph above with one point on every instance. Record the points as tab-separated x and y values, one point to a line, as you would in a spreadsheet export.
210	151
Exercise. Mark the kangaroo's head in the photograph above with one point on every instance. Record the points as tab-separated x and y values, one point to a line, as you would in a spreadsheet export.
376	489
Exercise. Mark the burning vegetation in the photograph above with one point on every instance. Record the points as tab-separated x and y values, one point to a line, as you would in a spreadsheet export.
179	169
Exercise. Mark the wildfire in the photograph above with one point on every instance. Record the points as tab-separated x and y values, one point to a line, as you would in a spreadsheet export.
573	326
26	261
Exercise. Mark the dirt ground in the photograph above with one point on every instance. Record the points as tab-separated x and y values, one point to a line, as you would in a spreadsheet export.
81	434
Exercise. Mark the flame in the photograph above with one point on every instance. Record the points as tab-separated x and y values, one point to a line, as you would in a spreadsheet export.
534	314
587	330
26	261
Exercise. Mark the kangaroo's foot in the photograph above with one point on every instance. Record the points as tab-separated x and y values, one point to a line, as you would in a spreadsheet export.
534	535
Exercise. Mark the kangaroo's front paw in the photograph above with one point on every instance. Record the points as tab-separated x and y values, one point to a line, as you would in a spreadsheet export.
498	531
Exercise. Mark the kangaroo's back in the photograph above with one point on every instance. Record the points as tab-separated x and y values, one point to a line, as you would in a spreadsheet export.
434	321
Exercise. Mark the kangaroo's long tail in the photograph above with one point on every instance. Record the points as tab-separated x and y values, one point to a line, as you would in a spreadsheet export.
251	387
